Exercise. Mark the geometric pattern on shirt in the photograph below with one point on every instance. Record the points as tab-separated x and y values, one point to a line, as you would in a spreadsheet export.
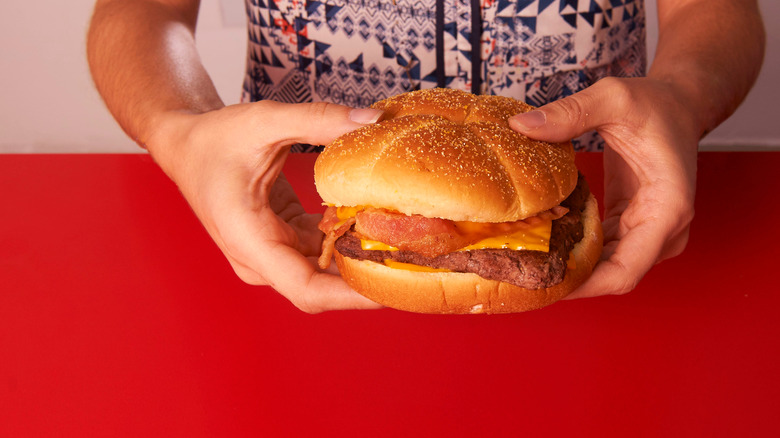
355	52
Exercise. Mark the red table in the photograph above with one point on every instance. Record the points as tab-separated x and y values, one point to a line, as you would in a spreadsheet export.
119	317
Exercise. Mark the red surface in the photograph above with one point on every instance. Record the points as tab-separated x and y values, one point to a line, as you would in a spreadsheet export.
119	317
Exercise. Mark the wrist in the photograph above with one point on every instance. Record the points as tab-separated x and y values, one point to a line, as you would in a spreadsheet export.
692	100
166	139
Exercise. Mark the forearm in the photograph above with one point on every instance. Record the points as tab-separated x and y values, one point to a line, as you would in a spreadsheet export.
144	62
711	51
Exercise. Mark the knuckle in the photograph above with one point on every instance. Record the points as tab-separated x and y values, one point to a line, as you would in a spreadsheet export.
304	301
626	286
572	108
627	280
245	273
306	306
678	246
688	214
618	89
319	110
249	277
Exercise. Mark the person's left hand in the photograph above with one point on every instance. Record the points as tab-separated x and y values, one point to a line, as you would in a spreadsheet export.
649	171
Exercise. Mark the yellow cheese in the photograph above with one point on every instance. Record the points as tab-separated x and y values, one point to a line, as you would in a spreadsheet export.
535	238
374	245
412	267
344	213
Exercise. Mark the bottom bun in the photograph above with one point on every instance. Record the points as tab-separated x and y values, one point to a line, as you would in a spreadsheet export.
458	293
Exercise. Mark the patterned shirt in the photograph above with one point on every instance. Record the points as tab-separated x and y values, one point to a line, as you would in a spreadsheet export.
355	52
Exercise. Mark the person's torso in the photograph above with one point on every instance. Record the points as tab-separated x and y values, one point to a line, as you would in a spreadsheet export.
355	52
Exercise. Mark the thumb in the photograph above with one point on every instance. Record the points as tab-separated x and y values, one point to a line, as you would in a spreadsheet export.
320	123
566	118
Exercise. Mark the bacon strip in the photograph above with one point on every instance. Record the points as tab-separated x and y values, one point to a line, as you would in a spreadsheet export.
433	236
333	227
428	236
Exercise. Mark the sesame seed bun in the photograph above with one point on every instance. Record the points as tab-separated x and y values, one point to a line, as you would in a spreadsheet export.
447	154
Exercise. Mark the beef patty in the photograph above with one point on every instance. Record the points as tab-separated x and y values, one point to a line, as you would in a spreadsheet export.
527	269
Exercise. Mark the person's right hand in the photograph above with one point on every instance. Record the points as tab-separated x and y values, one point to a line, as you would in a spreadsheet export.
227	164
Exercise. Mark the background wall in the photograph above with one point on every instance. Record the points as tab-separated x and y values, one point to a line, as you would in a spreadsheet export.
48	102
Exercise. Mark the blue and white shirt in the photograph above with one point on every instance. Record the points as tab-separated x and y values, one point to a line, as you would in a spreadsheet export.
355	52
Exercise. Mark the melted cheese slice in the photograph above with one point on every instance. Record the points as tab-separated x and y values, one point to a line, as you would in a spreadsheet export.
375	245
344	213
412	267
534	237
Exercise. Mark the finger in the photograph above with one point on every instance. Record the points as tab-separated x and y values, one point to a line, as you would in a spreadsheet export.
317	123
676	245
624	263
309	236
286	205
331	269
284	124
620	182
261	249
571	116
296	278
307	288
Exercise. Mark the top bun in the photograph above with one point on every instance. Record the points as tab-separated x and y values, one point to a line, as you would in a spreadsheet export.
448	154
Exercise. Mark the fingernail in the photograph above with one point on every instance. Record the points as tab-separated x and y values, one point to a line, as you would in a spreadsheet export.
530	120
365	115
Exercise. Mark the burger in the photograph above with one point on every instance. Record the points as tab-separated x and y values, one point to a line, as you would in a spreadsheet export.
442	208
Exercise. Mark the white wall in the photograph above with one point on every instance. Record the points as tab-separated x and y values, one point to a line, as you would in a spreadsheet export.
47	100
755	123
48	103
